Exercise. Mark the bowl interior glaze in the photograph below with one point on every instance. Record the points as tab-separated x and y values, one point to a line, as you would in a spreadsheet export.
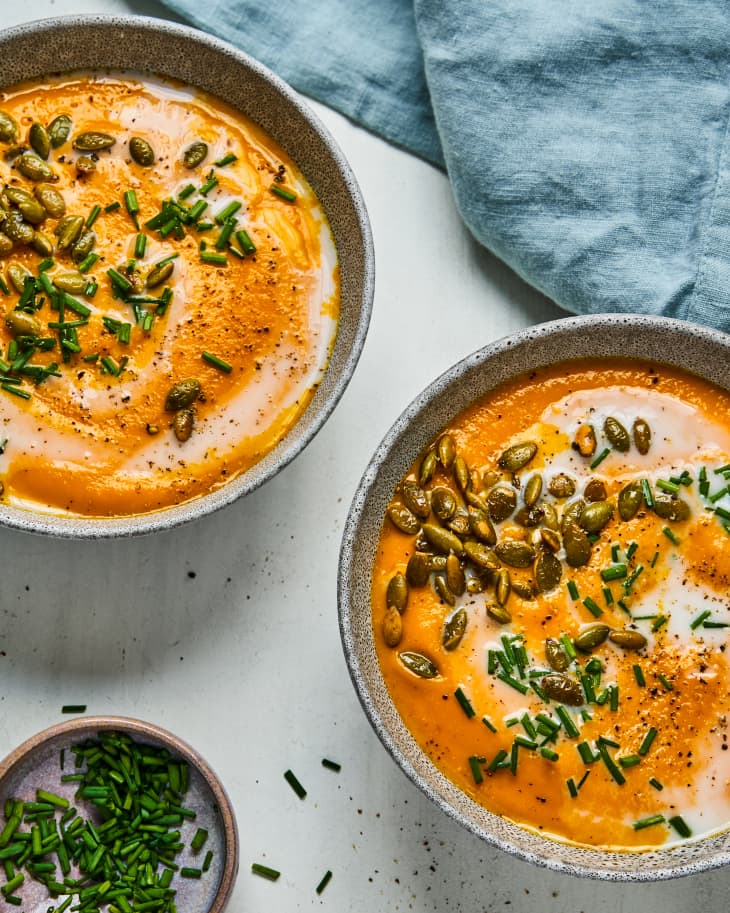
695	349
144	45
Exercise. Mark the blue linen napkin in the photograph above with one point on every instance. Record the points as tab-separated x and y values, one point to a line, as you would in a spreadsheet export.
586	144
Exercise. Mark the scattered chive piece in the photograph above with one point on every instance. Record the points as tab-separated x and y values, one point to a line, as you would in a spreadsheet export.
190	872
132	205
568	646
615	572
514	756
12	388
464	703
614	553
629	760
489	724
573	590
186	192
122	283
648	494
88	261
680	826
571	730
295	784
288	196
610	763
629	582
512	682
631	550
656	784
140	245
93	216
549	753
601	457
647	741
592	607
228	159
217	362
667	684
244	239
670	487
112	207
572	788
210	256
45	264
230	210
331	765
207	861
639	675
653	561
622	605
586	752
221	242
718	494
264	871
670	535
476	768
197	210
497	760
201	835
209	184
613	697
659	622
73	708
721	469
324	882
648	822
607	595
716	624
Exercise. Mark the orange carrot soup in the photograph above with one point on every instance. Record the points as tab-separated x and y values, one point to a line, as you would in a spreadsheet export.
170	294
550	603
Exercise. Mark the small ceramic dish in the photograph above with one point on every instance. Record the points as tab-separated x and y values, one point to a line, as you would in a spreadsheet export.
702	352
36	764
162	49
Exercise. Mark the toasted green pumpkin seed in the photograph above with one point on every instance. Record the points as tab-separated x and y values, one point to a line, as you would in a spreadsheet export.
418	664
446	450
83	245
473	499
17	229
454	629
17	274
577	545
550	539
502	586
481	555
529	517
74	283
141	151
437	563
34	168
517	456
160	273
523	589
596	515
427	468
30	208
403	519
22	324
629	500
417	569
182	394
502	502
561	486
560	688
195	154
8	128
51	200
481	526
85	165
618	436
6	245
555	655
396	593
459	523
548	571
515	552
443	502
550	516
59	130
443	540
671	508
595	490
499	613
533	490
414	497
455	578
462	473
68	231
442	590
183	424
591	636
572	512
628	639
585	440
392	627
475	584
39	140
93	141
642	435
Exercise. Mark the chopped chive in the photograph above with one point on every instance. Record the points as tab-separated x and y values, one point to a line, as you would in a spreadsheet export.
93	216
45	264
140	245
721	469
680	826
631	550
112	207
639	675
512	682
295	784
549	754
331	765
659	622
132	205
646	742
614	553
209	256
615	572
197	210
573	590
199	838
670	535
475	763
568	646
648	822
721	512
629	760
667	684
497	760
571	730
629	582
264	871
586	752
244	240
572	788
601	457
592	607
88	261
613	697
73	708
217	362
207	861
715	624
228	211
209	184
670	487
656	784
324	881
489	724
122	283
221	242
524	742
653	561
607	595
285	194
514	756
228	159
512	721
186	192
648	494
714	498
11	388
464	703
610	763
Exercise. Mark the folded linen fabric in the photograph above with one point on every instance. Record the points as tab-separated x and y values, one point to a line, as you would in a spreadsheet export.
586	144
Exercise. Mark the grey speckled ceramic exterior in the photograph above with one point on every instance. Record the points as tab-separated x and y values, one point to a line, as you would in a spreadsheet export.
703	352
144	45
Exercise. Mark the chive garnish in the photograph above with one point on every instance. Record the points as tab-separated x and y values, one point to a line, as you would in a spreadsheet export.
4	286
601	457
325	880
198	841
197	210
140	245
670	535
295	784
665	681
331	765
207	861
217	362
228	211
495	762
610	763
615	572
186	192
714	498
639	675
571	730
607	595
656	784
285	194
12	388
549	754
228	159
132	205
45	264
654	560
568	646
209	256
573	590
670	487
629	760
112	207
629	582
475	763
264	871
586	752
489	724
631	550
93	215
512	682
88	261
648	494
209	184
646	742
659	622
716	624
648	822
120	281
680	826
244	240
592	607
73	708
464	702
572	788
221	242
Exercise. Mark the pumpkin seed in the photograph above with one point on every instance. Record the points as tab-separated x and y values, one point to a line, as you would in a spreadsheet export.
6	245
74	283
454	628
30	208
85	165
17	229
34	168
418	664
556	656
628	639
550	516
629	500
529	518
442	590
474	584
572	512
455	577
414	497
596	515
642	435
51	200
443	503
93	141
585	440
577	545
461	473
396	593
591	636
476	500
158	274
417	569
59	130
403	519
548	571
182	394
39	140
502	586
550	539
481	526
392	627
442	539
427	468
437	563
499	613
68	231
523	589
491	477
560	688
618	436
446	450
459	523
8	128
42	244
595	490
517	456
83	246
22	324
561	486
195	154
502	502
533	490
515	552
182	424
141	151
671	508
17	274
481	555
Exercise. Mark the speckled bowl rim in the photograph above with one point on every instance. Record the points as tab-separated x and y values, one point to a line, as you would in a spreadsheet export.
17	40
89	725
664	340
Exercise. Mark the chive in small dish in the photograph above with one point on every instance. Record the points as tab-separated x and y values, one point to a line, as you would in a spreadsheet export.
116	814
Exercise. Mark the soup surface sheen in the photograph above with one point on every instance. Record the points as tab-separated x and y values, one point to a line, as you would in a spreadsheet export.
245	321
566	664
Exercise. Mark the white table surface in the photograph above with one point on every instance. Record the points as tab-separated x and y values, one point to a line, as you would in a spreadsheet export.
225	631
